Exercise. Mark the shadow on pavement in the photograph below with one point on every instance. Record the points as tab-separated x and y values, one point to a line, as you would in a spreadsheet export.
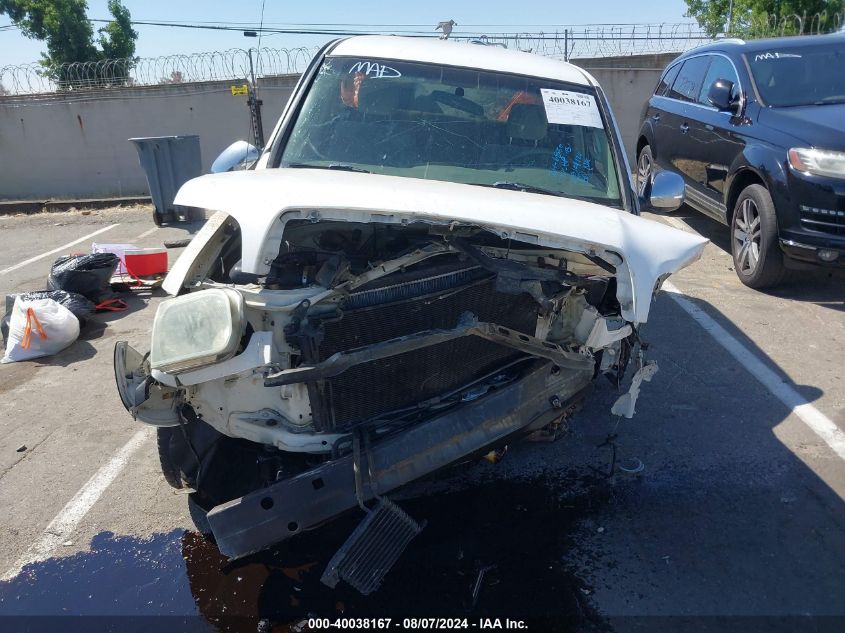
517	531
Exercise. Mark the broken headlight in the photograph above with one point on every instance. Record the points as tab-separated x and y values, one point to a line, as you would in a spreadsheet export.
198	329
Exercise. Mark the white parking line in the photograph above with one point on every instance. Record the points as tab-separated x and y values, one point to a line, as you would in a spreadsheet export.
680	224
57	250
145	234
66	521
819	423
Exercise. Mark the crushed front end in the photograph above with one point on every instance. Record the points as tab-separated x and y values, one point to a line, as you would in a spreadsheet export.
368	356
313	362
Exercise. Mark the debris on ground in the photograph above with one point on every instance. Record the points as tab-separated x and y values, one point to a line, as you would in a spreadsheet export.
478	581
89	275
632	466
627	402
137	267
177	243
373	548
21	448
39	328
78	286
496	455
81	307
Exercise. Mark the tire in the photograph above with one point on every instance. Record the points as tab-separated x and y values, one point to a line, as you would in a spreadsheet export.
645	166
199	516
169	468
758	260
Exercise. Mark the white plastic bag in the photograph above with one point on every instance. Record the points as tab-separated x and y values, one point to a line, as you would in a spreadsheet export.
39	328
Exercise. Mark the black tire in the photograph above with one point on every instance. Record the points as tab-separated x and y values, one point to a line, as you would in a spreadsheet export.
165	437
199	516
758	260
645	168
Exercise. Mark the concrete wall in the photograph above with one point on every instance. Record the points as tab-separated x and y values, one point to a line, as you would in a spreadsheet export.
628	83
75	146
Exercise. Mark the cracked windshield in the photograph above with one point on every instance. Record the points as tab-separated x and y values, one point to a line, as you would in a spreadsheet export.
444	123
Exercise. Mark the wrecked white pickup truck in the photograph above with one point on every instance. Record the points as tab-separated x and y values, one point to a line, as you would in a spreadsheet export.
438	251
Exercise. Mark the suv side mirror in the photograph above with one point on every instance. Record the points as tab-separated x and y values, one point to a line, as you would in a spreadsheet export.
664	192
720	96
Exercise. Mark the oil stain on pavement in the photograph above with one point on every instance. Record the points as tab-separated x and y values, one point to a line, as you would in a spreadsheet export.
517	531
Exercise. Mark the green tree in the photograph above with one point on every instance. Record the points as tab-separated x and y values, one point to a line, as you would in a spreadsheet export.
117	38
766	17
64	26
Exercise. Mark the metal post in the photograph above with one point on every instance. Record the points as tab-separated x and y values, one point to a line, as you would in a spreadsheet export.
730	18
254	104
566	45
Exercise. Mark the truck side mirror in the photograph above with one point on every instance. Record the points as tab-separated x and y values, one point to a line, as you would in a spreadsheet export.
664	192
239	155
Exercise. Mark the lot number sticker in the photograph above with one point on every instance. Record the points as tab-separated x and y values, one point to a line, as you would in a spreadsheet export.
571	108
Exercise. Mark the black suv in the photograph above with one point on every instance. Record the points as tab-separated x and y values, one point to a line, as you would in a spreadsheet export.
757	129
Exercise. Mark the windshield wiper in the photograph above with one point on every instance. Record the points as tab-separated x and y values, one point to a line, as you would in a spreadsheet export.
335	166
518	186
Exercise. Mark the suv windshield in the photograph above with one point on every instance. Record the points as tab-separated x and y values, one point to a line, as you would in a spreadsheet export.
454	124
800	75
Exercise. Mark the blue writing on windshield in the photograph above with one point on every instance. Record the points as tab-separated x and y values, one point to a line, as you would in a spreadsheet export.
575	165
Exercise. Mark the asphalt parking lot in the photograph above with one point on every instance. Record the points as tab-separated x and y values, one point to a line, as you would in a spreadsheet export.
736	519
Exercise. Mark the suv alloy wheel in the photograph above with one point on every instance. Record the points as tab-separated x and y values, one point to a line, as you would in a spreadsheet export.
754	239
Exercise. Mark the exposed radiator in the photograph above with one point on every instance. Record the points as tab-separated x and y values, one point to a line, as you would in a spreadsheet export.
435	298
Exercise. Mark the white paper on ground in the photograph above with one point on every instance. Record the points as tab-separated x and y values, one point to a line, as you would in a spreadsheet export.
571	108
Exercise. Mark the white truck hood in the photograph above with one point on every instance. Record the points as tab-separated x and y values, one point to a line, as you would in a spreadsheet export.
262	201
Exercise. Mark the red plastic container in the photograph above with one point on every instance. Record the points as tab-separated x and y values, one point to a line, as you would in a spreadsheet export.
146	262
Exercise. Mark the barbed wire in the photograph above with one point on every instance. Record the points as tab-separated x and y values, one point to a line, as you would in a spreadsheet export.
602	40
794	24
579	42
234	64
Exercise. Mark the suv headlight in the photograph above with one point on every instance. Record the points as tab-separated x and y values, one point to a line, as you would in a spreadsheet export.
820	162
197	329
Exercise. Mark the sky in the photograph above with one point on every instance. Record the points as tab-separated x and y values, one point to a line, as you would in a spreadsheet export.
494	15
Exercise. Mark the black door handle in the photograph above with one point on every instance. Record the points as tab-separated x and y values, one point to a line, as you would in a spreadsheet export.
684	128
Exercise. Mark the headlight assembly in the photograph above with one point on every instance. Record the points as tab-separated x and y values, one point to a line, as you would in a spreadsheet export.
819	162
198	329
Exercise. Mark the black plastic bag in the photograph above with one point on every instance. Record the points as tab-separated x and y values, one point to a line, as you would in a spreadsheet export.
81	307
88	275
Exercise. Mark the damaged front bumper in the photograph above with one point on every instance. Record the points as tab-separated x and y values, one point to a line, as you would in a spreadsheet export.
264	517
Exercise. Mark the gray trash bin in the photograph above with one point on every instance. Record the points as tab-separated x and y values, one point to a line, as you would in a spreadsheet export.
168	162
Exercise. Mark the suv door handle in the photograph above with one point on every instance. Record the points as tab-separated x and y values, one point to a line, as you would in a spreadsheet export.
655	117
684	128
